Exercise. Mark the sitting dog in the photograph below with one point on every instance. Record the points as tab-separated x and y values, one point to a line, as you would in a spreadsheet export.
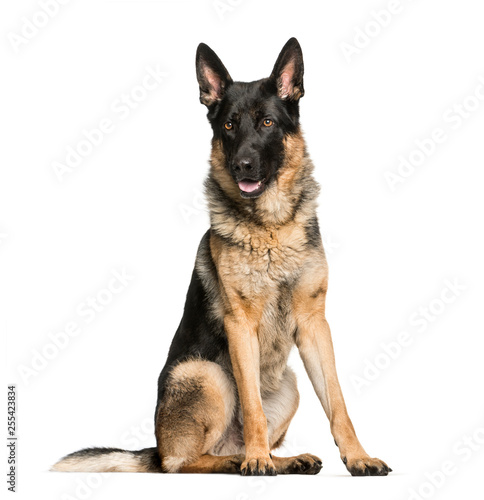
226	396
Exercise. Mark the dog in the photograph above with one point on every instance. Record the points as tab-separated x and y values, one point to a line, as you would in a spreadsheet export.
226	396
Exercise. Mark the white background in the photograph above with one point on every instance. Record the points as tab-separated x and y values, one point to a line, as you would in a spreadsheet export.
134	203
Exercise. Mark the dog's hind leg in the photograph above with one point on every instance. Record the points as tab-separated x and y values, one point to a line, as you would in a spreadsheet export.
197	406
229	464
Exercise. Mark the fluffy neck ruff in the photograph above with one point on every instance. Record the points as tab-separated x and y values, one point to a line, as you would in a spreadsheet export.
290	199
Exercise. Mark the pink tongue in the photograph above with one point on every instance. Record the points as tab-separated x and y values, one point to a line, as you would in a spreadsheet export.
248	186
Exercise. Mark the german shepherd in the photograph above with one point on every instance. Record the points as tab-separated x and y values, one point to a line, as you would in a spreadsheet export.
226	396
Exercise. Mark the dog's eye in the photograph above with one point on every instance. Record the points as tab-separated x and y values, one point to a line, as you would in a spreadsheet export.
228	125
268	122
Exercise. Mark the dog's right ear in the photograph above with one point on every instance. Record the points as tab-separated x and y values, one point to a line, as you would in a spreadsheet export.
213	78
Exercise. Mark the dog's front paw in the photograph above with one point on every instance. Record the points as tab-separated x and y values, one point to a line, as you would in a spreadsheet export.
366	466
258	466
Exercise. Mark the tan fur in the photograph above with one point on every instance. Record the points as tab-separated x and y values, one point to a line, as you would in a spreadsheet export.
211	464
185	436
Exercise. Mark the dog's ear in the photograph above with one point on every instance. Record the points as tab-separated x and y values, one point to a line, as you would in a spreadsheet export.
288	71
213	78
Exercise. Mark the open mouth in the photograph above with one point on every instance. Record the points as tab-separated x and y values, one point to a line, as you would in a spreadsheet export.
250	188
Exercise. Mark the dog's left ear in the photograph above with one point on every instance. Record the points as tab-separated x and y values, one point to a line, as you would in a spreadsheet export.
288	71
213	77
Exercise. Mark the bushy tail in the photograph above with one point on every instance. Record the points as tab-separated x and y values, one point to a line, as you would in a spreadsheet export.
110	460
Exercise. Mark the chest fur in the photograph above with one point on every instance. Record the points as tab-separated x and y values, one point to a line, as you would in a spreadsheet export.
262	271
263	259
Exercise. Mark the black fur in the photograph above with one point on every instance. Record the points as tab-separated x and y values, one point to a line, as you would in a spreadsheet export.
199	335
254	150
94	452
313	233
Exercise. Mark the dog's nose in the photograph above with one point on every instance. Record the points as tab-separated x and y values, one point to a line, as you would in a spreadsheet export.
244	166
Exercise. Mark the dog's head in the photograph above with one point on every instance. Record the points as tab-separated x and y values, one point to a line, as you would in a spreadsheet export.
252	121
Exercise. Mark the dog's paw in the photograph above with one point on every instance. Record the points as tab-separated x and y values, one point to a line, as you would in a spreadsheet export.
367	466
260	466
301	464
232	464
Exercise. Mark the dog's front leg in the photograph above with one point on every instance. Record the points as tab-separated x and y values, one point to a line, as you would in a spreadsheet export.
315	346
244	355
